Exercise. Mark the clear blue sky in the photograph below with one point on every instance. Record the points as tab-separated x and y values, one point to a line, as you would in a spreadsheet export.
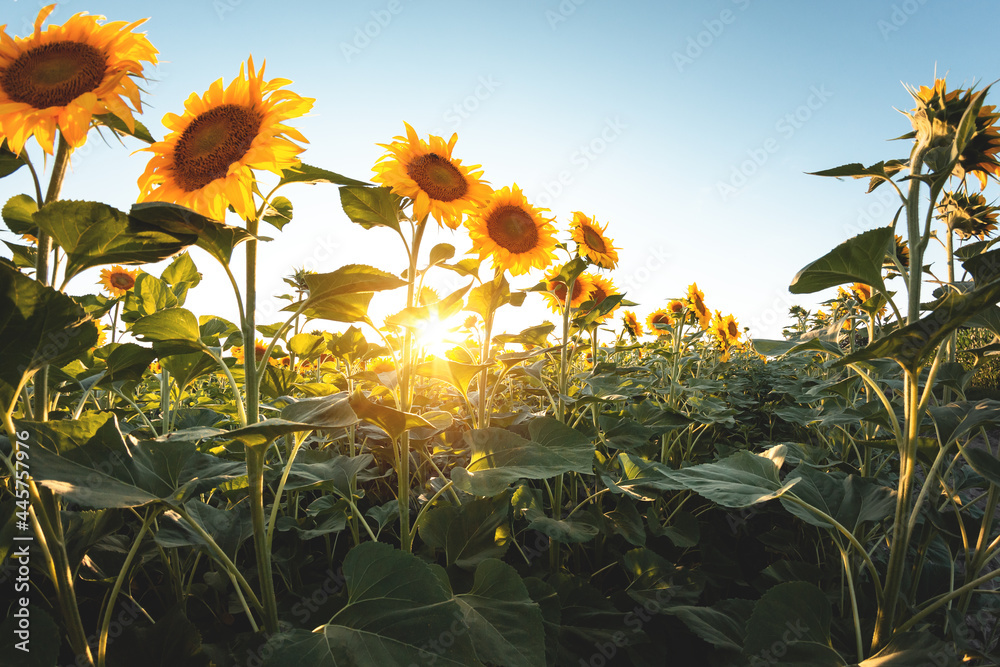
642	114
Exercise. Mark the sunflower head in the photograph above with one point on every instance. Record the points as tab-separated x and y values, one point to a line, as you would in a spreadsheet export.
259	349
513	232
935	121
660	317
117	280
968	215
206	162
381	365
602	289
426	173
592	243
59	78
861	292
902	253
555	294
696	306
631	323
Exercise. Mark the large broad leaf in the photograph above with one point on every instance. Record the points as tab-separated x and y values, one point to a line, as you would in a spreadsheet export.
91	463
858	259
343	295
229	527
393	422
94	234
466	533
326	412
587	620
9	160
580	528
505	625
398	612
38	326
500	457
984	463
173	325
740	480
788	613
723	624
848	499
172	640
371	207
912	344
19	213
336	473
304	173
455	373
217	238
955	420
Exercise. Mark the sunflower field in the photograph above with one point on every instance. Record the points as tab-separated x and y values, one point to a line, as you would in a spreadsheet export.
615	487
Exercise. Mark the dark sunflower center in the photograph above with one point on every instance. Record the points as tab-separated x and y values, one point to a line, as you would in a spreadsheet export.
512	228
438	177
212	142
54	74
662	318
121	281
733	330
593	239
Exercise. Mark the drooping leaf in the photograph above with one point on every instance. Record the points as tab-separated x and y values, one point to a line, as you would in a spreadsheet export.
9	160
394	422
788	613
229	527
848	499
305	173
279	212
334	474
38	326
174	325
723	624
91	463
181	270
396	605
138	130
371	207
500	457
95	234
858	259
466	533
455	373
504	623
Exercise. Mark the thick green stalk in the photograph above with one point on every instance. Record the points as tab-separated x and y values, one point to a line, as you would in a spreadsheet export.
42	266
564	353
406	397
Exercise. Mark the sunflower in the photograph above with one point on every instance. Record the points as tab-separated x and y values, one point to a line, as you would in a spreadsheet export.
62	77
117	280
631	322
936	118
602	289
102	334
732	327
592	243
381	365
902	252
861	292
259	348
662	317
425	172
696	303
556	291
968	215
205	162
513	232
675	309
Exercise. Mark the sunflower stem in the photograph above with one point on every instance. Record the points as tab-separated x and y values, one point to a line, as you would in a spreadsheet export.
563	352
406	397
42	266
